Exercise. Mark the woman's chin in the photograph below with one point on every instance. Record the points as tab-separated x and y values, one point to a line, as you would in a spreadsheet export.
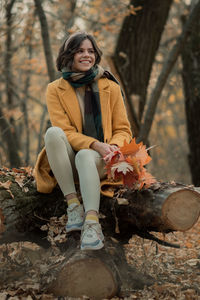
83	68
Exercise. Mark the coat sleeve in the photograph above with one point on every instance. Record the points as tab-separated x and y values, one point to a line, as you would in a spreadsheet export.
59	118
121	129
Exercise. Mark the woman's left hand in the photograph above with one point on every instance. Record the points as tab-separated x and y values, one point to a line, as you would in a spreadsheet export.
103	148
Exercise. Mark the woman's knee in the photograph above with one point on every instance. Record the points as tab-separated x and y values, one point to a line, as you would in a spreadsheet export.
84	157
52	134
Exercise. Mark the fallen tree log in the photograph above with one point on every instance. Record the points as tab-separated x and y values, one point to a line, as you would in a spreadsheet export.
69	271
97	274
165	207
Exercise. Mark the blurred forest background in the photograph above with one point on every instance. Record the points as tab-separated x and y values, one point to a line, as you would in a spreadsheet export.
152	47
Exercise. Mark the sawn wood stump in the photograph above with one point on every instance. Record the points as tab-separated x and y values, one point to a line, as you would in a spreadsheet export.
164	207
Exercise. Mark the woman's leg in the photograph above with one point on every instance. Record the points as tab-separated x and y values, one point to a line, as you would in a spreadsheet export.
61	158
90	167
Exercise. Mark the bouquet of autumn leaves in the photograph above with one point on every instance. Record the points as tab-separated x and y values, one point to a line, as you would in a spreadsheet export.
127	165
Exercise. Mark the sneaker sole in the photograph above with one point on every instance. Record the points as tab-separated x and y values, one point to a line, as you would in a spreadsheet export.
93	246
74	228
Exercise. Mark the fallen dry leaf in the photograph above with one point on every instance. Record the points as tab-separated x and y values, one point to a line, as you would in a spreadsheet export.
6	185
127	164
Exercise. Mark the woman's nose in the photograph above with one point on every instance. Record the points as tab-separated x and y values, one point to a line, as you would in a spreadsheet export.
86	53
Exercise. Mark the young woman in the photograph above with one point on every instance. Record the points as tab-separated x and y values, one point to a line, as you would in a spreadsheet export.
89	121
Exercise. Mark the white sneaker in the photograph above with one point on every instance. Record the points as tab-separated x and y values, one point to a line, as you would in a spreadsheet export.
91	236
75	215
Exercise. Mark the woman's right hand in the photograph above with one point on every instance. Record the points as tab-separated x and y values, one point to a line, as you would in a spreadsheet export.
102	148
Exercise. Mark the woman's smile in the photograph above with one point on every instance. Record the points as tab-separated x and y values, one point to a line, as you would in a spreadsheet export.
84	58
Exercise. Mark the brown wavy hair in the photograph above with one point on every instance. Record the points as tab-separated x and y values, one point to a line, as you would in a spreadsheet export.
71	46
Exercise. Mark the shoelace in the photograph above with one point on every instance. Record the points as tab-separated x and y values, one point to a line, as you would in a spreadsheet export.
89	228
73	213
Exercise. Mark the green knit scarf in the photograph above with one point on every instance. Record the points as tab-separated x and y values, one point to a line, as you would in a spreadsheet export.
92	108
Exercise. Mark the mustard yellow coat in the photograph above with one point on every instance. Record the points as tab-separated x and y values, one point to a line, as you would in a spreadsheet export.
64	112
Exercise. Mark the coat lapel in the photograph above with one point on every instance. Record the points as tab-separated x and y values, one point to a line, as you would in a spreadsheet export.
104	93
71	105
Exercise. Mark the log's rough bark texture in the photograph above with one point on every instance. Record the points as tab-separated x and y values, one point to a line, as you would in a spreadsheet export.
97	274
69	271
191	81
165	207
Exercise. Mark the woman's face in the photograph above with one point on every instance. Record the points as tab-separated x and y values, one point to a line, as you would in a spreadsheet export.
84	58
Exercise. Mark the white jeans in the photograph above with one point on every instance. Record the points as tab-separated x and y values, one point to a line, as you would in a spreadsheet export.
66	166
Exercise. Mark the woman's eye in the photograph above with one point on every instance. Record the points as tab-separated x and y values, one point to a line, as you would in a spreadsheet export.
82	51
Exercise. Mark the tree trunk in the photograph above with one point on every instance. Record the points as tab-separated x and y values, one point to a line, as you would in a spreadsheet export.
46	40
7	135
140	37
167	67
48	57
8	127
25	98
97	274
164	207
191	82
68	271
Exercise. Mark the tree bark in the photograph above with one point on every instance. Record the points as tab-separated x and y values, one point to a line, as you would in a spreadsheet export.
46	40
48	57
8	54
191	82
69	272
9	128
97	274
164	207
7	135
137	46
25	98
168	65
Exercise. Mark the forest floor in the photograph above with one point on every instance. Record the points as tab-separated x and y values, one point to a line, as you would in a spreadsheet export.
176	271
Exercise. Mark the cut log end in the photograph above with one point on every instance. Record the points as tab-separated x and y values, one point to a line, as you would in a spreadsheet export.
89	277
181	209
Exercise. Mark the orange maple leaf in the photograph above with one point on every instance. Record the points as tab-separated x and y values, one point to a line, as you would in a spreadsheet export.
143	156
131	148
127	164
130	179
147	178
135	163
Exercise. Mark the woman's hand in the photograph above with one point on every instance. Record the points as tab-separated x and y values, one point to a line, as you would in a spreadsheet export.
102	148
